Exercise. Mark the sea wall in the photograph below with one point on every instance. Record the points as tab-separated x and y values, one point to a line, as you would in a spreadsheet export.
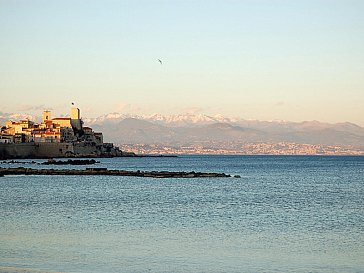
21	150
83	150
47	150
35	150
53	150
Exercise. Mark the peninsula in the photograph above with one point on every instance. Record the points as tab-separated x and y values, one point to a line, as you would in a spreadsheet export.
54	138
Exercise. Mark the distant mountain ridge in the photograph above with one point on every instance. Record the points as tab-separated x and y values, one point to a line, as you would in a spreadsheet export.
179	120
188	129
4	117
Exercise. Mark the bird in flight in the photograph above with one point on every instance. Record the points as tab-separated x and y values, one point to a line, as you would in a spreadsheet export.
160	61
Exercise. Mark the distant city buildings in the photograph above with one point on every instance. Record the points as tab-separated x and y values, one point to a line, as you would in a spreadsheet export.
50	130
70	130
240	148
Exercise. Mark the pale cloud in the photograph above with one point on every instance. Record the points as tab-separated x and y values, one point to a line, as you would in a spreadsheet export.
88	109
193	110
28	107
122	107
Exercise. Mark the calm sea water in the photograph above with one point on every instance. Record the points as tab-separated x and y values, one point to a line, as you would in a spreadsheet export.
285	214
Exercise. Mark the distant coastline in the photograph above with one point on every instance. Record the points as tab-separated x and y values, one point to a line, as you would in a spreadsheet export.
174	135
203	134
241	149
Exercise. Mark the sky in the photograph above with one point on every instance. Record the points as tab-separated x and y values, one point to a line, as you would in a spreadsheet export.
267	60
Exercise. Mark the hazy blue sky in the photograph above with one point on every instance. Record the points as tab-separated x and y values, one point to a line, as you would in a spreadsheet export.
291	60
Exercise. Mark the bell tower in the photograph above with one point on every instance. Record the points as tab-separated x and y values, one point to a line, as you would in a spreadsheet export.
46	116
76	119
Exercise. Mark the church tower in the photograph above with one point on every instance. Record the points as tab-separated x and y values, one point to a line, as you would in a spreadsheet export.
46	116
76	119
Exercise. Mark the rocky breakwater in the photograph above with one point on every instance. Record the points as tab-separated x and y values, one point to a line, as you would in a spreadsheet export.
51	161
104	171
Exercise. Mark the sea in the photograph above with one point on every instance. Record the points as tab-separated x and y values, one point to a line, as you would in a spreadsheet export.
284	214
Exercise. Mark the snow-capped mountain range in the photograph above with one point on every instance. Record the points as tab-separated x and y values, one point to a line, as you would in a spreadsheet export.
179	120
15	117
191	128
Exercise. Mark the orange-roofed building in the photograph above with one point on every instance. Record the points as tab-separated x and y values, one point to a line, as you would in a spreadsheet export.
62	122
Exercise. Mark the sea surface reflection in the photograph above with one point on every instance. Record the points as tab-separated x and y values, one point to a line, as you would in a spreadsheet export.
286	214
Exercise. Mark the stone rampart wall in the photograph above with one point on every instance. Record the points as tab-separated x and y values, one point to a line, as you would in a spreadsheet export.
21	150
47	150
83	150
53	150
35	150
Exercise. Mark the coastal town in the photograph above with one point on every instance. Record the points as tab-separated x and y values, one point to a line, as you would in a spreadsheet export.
68	137
53	137
239	148
50	130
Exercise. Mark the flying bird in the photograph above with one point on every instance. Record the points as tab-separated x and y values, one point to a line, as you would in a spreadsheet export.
160	61
72	103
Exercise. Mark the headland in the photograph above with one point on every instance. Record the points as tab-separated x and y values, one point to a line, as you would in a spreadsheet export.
54	138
